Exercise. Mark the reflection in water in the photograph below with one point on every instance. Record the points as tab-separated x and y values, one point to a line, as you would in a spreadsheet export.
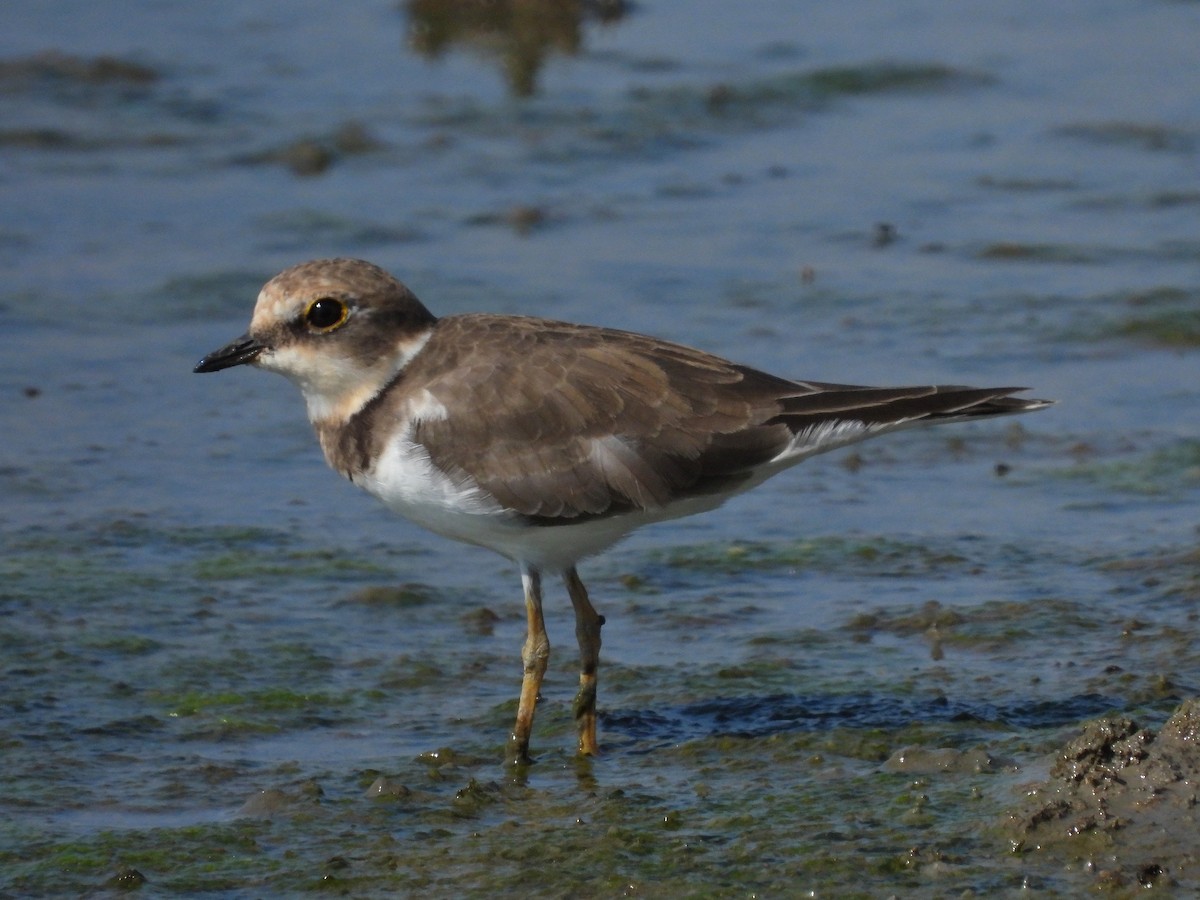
521	33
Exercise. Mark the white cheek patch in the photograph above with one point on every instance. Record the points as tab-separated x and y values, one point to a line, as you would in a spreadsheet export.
335	381
333	386
300	362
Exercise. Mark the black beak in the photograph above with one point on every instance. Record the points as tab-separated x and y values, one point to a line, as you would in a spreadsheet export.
244	350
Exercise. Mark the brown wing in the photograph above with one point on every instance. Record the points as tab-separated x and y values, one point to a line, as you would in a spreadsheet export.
570	421
566	421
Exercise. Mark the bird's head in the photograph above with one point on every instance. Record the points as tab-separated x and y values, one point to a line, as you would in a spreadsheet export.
339	328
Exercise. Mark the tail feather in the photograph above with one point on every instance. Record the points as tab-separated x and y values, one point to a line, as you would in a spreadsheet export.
894	407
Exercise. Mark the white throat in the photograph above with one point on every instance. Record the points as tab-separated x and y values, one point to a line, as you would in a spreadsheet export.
336	388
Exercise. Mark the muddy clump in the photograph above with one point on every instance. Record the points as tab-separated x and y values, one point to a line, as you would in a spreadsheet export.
1123	802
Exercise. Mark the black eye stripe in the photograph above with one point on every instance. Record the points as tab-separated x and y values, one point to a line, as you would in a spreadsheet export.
325	313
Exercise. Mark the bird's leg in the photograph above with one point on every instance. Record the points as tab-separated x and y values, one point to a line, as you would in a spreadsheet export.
587	632
535	655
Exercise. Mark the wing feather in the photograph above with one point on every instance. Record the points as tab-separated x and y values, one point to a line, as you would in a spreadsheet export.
560	421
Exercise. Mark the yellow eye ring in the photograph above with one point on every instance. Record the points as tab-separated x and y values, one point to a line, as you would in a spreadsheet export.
325	314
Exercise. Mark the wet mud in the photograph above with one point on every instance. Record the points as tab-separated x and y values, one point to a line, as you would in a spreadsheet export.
1122	805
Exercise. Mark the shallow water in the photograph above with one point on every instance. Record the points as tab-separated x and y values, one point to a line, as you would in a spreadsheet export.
227	672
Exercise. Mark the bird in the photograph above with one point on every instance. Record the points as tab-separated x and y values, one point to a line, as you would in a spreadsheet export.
547	441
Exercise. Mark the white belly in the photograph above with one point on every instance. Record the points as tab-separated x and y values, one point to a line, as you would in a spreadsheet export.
455	506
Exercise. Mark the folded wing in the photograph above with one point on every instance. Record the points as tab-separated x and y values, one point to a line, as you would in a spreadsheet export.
572	422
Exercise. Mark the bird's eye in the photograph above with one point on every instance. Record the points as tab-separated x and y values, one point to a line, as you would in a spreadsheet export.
326	314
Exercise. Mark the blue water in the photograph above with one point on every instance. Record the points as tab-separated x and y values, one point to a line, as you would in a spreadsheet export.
680	174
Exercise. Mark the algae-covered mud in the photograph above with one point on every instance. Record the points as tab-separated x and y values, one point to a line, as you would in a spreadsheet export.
954	662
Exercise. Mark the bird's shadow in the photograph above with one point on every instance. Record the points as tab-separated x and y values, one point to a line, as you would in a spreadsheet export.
643	731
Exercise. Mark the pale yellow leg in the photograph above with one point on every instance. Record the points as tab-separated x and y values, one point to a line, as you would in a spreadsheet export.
535	655
587	632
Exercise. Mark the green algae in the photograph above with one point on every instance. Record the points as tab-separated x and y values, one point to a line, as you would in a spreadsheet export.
1164	317
807	88
1161	471
833	553
881	77
1171	576
399	596
1019	251
1155	317
991	622
267	700
1179	329
192	858
122	644
1153	137
75	579
711	816
298	565
99	563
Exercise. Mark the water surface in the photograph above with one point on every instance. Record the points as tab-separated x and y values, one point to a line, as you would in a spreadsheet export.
227	672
